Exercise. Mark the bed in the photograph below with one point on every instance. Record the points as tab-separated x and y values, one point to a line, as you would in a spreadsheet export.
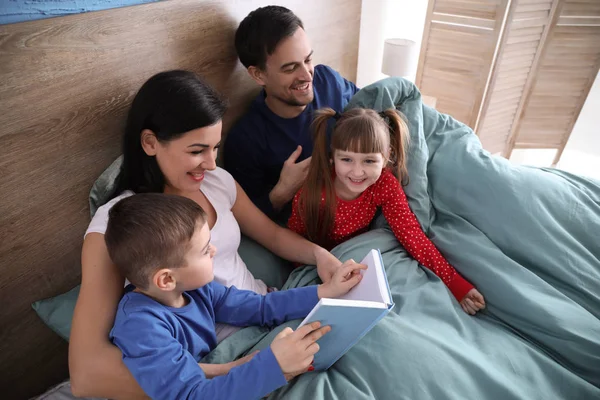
528	238
65	85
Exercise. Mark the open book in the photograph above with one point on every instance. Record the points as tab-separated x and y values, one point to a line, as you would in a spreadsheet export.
352	315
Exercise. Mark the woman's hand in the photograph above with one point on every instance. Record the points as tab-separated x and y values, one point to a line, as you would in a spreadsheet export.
327	264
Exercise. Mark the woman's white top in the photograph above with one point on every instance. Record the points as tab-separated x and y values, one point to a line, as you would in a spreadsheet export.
219	188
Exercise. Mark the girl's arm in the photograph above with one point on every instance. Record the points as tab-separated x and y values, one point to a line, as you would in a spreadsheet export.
279	240
407	230
95	365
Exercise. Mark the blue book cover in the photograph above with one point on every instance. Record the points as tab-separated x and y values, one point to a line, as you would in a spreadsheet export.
353	315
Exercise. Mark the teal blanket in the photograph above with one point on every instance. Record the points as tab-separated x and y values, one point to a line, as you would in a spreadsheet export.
528	238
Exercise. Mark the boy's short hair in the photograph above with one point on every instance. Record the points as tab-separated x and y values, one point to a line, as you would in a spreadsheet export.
150	231
260	32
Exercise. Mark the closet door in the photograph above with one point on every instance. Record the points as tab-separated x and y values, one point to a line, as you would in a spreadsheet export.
527	26
562	80
458	48
516	71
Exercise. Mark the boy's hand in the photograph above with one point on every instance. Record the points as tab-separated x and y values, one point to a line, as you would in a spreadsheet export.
472	302
295	350
345	278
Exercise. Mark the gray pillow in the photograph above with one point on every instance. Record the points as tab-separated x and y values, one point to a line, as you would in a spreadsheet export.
105	185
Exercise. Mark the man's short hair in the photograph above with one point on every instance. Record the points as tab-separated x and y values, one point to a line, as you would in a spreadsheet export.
261	31
150	231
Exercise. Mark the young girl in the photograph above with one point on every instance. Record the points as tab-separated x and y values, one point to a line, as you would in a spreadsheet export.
362	172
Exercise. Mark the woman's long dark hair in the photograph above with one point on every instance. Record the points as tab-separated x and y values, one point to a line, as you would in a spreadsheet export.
169	104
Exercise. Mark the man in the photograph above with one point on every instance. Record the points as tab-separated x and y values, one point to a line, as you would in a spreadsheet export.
268	150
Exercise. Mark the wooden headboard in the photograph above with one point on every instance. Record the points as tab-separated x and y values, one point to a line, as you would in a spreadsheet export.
65	86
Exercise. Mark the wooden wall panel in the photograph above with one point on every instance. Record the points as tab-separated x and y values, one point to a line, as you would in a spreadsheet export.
65	86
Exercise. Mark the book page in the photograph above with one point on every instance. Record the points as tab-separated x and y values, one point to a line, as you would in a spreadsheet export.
371	287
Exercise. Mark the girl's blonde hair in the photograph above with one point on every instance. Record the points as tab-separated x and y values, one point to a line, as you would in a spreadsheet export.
358	130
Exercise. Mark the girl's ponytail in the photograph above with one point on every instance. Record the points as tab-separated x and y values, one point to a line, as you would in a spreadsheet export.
319	221
399	142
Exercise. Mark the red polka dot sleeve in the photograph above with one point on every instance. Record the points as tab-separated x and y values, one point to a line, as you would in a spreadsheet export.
394	204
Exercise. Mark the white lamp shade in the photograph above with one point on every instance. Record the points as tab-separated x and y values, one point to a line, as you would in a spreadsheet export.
400	57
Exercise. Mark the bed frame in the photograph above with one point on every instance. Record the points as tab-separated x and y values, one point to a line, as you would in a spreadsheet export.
65	86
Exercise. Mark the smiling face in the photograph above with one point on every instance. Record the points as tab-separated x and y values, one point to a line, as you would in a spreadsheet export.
360	149
184	160
355	172
288	74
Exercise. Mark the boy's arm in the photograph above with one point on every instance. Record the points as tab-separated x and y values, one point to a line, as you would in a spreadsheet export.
165	370
245	308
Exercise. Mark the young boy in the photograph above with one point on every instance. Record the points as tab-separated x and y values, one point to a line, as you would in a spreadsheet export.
166	324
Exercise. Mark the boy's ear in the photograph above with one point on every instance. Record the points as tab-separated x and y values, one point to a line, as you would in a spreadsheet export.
257	75
149	142
164	279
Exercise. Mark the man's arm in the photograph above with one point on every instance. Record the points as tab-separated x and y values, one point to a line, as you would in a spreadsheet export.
242	163
346	88
349	89
292	176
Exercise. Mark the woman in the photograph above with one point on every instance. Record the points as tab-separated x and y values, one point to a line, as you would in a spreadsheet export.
170	145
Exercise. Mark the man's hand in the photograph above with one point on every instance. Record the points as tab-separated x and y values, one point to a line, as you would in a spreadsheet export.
291	179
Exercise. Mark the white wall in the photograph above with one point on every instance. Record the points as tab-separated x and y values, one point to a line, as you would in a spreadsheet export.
383	19
582	152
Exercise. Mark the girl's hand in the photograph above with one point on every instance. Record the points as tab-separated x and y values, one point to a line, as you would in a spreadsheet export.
345	278
472	302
